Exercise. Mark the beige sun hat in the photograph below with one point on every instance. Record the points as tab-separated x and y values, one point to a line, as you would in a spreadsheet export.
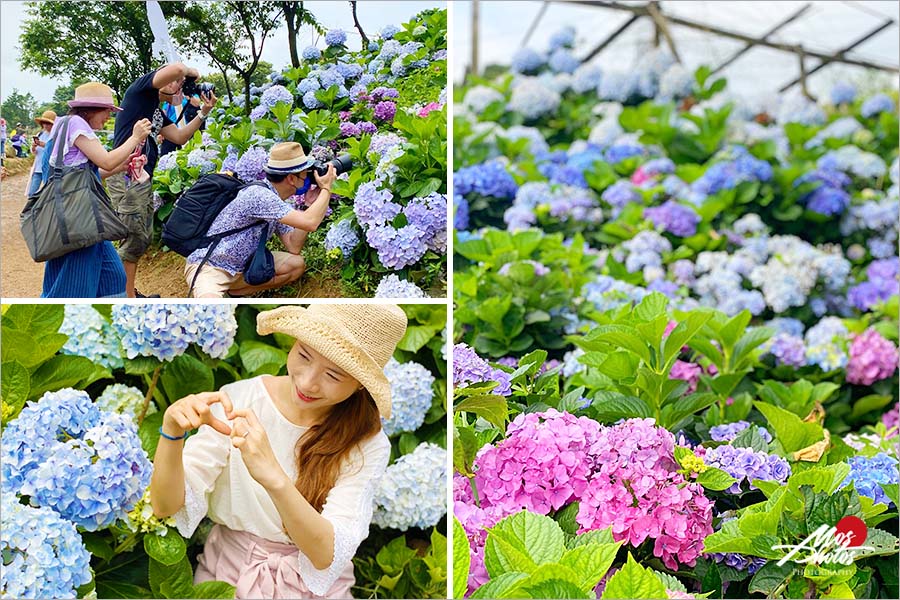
47	117
286	158
94	94
359	338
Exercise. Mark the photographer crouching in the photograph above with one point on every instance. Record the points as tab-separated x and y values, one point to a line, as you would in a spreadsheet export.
238	264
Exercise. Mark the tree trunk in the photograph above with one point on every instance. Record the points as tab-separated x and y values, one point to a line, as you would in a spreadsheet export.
245	75
362	34
227	85
289	15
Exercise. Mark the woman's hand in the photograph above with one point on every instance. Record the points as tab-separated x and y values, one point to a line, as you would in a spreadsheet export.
327	180
193	411
250	438
141	129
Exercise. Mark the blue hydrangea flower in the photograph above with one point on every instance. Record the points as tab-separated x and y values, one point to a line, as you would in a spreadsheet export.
166	330
66	454
479	97
673	217
532	99
311	53
728	431
389	31
429	214
586	78
350	70
397	248
310	84
562	61
851	159
43	555
167	162
202	159
342	235
564	38
867	475
411	396
843	93
787	350
747	464
310	101
252	163
412	492
392	286
91	336
276	94
123	399
461	216
677	82
331	77
487	179
374	207
469	368
824	344
336	37
875	105
526	60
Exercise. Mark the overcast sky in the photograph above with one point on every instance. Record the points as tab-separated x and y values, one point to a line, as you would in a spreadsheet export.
826	26
373	15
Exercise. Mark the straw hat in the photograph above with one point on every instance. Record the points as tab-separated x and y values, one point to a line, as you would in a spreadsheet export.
359	338
48	117
93	94
286	158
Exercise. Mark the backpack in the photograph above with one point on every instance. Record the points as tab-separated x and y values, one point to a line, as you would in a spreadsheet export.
187	228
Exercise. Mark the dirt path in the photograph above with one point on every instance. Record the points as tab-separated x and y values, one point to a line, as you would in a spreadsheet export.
158	272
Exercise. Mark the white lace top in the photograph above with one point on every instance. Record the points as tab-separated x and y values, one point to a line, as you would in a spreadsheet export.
218	484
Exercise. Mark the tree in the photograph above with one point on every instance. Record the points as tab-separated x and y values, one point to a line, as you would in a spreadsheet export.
108	42
296	16
19	108
362	34
232	34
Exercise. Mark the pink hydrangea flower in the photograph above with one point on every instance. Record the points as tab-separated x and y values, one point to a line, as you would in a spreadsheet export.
892	418
872	358
431	106
688	372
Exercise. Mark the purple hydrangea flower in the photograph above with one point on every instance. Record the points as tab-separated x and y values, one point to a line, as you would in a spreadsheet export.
673	217
385	111
470	368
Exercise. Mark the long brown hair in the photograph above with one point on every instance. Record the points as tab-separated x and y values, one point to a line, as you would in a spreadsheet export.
322	449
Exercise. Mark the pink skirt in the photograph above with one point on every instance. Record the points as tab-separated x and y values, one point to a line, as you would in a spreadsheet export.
259	568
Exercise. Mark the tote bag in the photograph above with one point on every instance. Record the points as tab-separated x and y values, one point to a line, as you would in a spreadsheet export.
71	211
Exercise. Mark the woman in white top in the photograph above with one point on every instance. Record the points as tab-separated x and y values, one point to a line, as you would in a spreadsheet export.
286	466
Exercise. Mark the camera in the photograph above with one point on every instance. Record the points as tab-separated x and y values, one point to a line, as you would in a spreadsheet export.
342	164
191	87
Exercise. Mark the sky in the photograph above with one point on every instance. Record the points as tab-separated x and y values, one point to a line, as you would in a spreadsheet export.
826	26
372	14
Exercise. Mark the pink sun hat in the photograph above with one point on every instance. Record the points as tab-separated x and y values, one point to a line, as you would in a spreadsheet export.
94	95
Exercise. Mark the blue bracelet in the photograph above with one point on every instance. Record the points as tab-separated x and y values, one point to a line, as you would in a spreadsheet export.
169	437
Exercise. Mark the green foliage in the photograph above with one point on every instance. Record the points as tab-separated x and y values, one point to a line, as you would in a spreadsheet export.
529	556
19	108
400	571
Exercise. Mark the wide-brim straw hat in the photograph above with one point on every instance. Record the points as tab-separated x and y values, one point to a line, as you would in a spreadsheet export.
286	158
94	95
359	338
47	117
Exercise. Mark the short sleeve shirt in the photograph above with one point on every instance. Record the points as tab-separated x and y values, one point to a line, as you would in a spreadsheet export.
44	136
253	204
77	126
141	101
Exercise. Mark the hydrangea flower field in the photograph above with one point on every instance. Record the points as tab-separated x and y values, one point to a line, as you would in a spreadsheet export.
385	234
676	328
84	391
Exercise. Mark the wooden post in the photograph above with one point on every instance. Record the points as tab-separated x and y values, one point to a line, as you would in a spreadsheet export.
662	27
474	65
609	39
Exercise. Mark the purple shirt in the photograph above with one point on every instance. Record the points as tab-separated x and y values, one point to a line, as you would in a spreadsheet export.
251	205
77	126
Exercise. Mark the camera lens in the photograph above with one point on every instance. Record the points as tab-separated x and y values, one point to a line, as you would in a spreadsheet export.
342	164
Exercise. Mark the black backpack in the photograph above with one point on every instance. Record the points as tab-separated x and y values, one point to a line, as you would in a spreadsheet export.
187	228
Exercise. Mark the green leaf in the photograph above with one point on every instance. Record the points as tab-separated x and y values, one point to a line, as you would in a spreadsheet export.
554	588
259	357
566	518
793	433
416	337
97	544
634	581
168	549
770	578
612	406
732	331
590	562
37	320
869	403
141	365
185	376
828	509
715	479
751	438
15	385
890	490
213	589
683	332
620	336
460	560
490	407
149	433
500	586
537	539
652	306
171	581
107	588
65	371
674	412
28	349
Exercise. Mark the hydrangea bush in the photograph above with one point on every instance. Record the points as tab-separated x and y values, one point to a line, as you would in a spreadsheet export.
384	106
644	252
76	463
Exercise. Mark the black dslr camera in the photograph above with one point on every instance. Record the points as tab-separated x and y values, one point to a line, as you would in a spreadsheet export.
191	87
342	164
